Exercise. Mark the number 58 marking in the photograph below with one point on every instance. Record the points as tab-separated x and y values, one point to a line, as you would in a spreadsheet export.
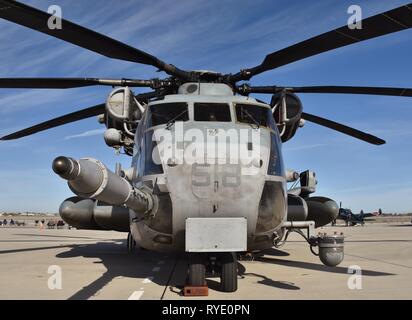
202	175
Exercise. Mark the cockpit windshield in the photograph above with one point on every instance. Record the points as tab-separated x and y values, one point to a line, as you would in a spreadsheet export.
254	115
219	112
163	113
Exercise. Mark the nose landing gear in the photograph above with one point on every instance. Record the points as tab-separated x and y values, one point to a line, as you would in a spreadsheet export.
228	275
197	270
131	244
224	263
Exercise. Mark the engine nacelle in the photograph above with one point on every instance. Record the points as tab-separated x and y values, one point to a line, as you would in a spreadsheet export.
121	106
123	112
293	114
94	215
322	210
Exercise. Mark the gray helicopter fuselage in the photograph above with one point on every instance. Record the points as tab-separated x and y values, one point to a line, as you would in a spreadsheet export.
223	166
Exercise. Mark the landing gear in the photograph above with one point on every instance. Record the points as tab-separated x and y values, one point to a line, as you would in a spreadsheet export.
197	270
131	244
227	267
228	275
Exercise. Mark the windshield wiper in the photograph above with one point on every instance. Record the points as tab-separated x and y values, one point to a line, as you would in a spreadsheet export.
251	118
171	122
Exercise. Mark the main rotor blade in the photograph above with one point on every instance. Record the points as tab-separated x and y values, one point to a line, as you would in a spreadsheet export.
65	83
343	129
38	20
68	118
384	23
71	117
385	91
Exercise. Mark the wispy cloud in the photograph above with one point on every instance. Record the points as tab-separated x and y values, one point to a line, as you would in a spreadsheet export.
393	128
88	133
305	147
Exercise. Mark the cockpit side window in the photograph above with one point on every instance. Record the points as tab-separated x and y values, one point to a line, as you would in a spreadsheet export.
219	112
276	166
253	114
163	113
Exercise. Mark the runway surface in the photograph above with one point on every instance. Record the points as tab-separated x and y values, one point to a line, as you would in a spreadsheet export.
95	265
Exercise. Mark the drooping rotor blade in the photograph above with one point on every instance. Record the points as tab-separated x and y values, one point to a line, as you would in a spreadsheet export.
65	83
343	129
71	117
381	24
68	118
38	20
385	91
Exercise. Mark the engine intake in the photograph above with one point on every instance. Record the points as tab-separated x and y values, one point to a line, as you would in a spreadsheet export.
286	116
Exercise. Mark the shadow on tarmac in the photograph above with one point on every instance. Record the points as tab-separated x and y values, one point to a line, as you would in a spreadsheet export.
118	263
319	267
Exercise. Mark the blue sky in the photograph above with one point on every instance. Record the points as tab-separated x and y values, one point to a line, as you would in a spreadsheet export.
223	36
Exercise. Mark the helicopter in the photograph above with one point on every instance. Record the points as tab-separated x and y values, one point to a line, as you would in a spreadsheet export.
207	175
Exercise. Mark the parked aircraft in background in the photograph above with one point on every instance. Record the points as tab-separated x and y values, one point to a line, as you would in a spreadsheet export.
352	219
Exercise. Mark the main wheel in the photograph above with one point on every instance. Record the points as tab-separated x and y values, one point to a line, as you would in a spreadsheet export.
131	244
228	276
197	270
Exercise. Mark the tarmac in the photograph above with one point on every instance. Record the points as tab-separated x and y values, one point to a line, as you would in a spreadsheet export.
81	264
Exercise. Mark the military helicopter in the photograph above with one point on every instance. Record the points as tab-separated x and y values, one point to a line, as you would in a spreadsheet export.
208	207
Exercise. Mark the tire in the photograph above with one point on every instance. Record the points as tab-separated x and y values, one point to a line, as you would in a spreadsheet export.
131	244
228	277
197	270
